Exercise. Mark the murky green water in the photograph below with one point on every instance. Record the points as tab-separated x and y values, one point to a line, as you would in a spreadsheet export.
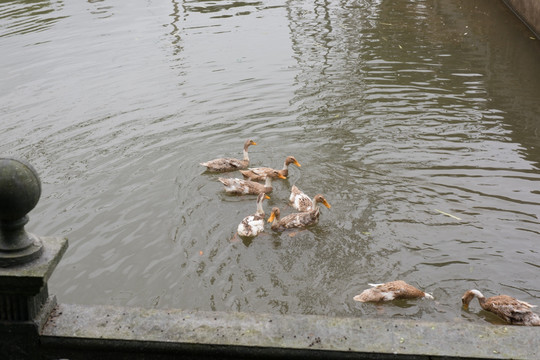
398	111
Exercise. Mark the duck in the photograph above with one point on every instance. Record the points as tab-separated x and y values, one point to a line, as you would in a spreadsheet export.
510	309
300	201
297	220
245	187
260	173
252	225
392	290
230	164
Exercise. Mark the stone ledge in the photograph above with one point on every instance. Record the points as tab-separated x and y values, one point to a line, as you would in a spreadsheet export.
98	328
29	279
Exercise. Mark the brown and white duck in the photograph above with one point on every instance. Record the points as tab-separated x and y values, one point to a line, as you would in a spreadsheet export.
393	290
297	220
260	173
252	225
509	309
301	202
230	164
245	187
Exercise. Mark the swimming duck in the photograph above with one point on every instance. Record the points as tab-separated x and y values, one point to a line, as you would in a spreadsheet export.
398	289
244	187
230	164
506	307
252	225
297	220
260	173
300	201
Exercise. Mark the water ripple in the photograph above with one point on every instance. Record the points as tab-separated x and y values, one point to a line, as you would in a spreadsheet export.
423	140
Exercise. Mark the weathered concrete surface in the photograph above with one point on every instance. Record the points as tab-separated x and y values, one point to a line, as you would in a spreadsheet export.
80	332
528	11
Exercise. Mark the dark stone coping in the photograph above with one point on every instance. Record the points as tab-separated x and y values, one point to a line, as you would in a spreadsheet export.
29	279
104	330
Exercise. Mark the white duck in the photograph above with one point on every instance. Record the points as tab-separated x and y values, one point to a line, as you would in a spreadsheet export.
252	225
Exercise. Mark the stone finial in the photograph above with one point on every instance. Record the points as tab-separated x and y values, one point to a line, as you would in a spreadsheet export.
20	189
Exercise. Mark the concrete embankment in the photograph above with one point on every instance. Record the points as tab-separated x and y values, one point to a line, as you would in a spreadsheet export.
528	11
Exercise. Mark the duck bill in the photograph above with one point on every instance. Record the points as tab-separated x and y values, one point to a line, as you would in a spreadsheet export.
253	143
325	203
271	218
266	196
281	176
297	163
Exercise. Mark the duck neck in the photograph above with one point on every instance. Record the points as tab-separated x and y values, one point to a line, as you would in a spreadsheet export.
260	209
275	222
285	166
268	182
481	298
482	302
246	157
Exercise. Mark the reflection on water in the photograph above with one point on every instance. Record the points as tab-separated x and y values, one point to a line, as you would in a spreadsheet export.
416	119
101	8
225	8
29	17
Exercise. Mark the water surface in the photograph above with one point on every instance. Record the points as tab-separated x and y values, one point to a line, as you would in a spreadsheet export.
401	113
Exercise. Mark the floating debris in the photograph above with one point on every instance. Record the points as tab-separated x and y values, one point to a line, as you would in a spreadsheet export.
447	214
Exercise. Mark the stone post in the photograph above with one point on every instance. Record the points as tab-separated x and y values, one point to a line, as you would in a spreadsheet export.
26	263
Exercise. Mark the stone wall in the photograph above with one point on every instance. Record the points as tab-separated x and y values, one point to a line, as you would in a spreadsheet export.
528	11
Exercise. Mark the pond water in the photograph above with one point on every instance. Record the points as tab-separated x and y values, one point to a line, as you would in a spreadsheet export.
418	120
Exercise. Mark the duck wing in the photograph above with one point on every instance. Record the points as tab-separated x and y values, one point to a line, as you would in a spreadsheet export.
242	187
257	174
402	290
392	290
225	164
299	220
299	200
251	225
510	309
